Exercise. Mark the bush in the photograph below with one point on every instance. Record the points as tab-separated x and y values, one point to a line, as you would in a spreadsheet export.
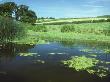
108	20
41	28
38	28
67	28
10	29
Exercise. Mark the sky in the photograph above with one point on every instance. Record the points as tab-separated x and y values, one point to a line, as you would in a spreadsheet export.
67	8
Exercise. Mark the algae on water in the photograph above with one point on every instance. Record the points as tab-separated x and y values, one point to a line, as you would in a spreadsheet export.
91	65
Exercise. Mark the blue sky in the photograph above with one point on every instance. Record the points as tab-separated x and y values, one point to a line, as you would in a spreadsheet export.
67	8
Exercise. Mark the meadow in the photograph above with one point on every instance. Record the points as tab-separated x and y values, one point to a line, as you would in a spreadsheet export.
97	32
60	21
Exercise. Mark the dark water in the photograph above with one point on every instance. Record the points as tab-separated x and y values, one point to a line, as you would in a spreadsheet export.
42	62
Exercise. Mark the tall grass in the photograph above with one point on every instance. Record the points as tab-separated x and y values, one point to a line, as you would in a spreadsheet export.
93	28
10	29
67	28
96	32
36	28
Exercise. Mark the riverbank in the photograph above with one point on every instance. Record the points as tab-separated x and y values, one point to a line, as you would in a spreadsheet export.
74	36
88	32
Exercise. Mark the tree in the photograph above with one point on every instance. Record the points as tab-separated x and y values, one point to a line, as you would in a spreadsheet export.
8	9
10	29
20	12
23	14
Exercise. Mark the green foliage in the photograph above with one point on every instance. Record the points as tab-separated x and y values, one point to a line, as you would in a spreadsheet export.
88	32
89	28
9	30
91	65
25	15
81	63
7	9
104	16
108	20
72	21
19	12
38	28
27	54
106	51
67	28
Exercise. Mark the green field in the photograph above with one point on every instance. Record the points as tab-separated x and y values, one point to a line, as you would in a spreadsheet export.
91	32
71	20
98	32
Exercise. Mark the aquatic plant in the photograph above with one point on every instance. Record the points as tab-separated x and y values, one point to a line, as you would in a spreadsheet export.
106	50
27	54
81	63
38	61
91	65
86	50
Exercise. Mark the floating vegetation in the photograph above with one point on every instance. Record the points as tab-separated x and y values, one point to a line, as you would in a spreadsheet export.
39	61
92	51
51	53
86	50
57	53
81	63
27	54
106	50
107	62
91	65
61	53
93	55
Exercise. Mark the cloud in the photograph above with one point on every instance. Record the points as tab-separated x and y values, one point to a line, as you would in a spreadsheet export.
96	1
94	6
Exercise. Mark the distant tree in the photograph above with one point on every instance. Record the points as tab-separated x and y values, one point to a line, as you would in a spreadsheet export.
42	18
51	18
104	16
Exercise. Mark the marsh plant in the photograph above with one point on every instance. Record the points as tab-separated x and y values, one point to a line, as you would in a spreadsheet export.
10	29
36	28
67	28
88	64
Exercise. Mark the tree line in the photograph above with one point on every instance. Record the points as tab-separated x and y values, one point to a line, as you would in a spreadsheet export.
18	12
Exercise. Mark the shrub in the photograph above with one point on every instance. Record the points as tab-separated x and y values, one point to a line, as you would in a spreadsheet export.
67	28
10	29
108	20
38	28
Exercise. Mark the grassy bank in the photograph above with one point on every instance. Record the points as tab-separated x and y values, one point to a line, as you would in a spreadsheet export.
73	36
97	32
10	30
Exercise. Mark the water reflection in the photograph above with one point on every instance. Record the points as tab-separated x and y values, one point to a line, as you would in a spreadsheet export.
44	60
9	51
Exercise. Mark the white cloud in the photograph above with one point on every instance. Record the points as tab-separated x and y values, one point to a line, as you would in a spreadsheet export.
94	6
96	1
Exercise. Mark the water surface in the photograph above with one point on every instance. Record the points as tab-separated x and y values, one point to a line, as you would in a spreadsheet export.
42	62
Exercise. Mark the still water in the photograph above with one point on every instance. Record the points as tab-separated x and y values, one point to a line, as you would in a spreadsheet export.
42	62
